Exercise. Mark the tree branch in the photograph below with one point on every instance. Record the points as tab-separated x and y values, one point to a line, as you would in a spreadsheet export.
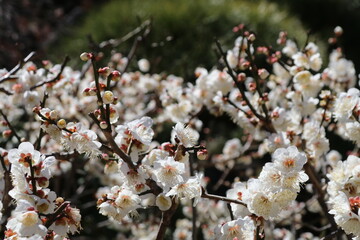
56	78
9	76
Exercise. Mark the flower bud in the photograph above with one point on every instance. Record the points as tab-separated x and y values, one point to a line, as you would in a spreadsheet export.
338	31
241	77
115	75
163	202
97	112
251	37
202	154
59	200
85	56
105	71
144	65
36	109
61	123
86	92
108	97
7	133
92	92
252	86
105	156
263	73
103	125
53	114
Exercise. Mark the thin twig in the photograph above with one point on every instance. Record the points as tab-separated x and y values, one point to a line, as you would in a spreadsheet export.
331	235
254	71
63	156
225	199
6	91
11	127
56	78
193	207
116	42
238	85
6	200
309	170
41	132
9	75
56	214
230	211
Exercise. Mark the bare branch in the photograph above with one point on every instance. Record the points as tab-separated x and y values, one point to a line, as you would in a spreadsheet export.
56	78
9	76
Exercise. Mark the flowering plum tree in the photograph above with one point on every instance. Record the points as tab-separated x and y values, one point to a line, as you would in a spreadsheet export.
111	120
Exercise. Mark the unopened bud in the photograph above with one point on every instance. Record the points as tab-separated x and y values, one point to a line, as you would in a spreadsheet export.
85	56
202	154
241	77
251	37
53	114
36	109
59	200
97	112
61	123
116	100
105	156
338	31
332	40
115	75
244	65
252	86
144	65
47	64
108	97
92	92
263	73
86	92
105	71
3	123
7	133
103	125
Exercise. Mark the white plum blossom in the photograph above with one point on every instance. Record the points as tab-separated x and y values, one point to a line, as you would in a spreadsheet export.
241	228
345	104
186	135
168	172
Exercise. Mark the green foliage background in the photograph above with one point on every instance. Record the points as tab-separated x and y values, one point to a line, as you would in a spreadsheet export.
193	25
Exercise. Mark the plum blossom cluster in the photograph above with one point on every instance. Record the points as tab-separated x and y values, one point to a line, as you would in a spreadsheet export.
244	151
39	213
275	189
344	194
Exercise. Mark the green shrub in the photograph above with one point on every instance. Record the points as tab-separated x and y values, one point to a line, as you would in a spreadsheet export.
193	25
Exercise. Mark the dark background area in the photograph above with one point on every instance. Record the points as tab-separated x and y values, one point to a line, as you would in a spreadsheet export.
53	26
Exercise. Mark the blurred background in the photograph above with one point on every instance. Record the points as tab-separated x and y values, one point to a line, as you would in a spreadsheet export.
183	31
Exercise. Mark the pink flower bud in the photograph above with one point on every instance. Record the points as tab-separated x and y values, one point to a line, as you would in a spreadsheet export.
115	75
251	37
202	154
7	133
241	77
103	125
105	71
263	73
